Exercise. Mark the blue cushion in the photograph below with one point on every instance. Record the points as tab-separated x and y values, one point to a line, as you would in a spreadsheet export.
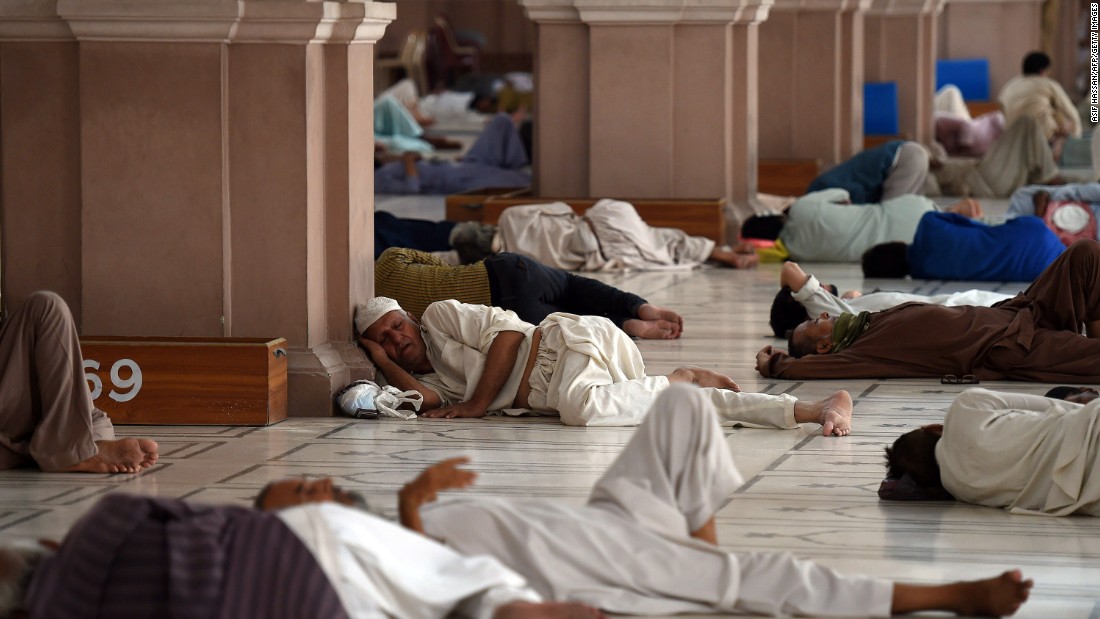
971	75
880	108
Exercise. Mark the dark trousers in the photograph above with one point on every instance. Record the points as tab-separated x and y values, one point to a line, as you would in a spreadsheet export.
533	291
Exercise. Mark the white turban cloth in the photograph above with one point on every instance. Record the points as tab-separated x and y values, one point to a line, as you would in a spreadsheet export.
366	314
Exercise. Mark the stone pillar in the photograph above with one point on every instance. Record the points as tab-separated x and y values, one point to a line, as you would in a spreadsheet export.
646	100
224	183
1018	20
39	154
900	46
811	102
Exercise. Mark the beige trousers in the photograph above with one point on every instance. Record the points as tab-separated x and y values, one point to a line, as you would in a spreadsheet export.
46	411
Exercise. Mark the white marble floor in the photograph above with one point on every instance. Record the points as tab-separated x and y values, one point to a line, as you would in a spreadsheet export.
804	494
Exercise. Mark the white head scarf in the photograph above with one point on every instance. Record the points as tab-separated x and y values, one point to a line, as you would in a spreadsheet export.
366	314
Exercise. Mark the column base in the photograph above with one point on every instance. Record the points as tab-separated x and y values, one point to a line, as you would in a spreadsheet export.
315	374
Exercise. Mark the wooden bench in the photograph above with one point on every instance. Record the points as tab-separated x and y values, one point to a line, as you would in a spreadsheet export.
786	177
977	108
187	380
698	217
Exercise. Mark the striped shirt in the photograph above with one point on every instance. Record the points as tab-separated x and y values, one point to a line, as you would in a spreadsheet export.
143	557
416	279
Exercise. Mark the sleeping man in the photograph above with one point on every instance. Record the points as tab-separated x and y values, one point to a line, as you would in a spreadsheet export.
646	541
1035	336
467	360
1026	453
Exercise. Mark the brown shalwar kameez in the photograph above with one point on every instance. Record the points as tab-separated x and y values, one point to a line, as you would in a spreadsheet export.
1035	336
46	411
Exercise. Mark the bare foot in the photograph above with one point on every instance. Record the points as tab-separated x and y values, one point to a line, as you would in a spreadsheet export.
652	312
127	455
834	413
652	329
547	610
734	259
703	378
994	597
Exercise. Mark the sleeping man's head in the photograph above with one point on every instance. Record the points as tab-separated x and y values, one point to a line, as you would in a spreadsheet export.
813	337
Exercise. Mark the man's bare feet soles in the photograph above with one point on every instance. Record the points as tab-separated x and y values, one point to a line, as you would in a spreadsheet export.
547	610
836	414
703	378
127	455
652	329
652	312
995	597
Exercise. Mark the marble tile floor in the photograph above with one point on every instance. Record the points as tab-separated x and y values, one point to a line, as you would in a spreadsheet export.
804	494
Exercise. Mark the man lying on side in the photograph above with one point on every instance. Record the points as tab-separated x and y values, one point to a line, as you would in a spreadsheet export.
1026	453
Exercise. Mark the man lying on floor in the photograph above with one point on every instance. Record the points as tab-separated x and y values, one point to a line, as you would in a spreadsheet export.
952	247
801	295
646	542
467	360
1026	453
609	236
46	412
145	557
1035	336
416	279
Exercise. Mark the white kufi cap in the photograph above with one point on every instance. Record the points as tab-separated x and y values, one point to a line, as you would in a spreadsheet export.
366	314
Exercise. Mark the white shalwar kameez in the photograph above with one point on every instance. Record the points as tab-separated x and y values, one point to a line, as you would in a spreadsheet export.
1027	453
381	570
817	299
586	369
610	236
629	551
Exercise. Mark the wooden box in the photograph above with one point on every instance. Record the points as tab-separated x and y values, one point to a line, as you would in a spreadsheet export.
697	217
187	380
469	205
786	177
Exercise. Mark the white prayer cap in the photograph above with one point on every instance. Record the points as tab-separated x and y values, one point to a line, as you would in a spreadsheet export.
366	314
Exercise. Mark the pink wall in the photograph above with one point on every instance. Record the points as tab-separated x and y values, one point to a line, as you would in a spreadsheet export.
965	32
152	188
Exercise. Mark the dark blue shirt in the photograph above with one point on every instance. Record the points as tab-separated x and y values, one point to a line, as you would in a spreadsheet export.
862	175
950	246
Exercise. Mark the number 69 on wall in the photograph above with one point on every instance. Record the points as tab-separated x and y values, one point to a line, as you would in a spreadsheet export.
132	384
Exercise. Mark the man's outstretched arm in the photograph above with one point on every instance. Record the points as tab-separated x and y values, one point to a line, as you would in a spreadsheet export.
500	361
426	487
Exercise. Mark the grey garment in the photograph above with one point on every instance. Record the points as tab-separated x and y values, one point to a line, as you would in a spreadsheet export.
1023	199
1021	156
46	411
1023	452
822	227
629	551
136	557
909	173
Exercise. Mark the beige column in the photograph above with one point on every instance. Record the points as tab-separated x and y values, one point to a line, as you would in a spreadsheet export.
40	224
654	99
225	175
1018	21
900	46
810	106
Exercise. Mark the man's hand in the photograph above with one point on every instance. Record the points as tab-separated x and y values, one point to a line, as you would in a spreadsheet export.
792	276
375	351
462	409
967	208
851	294
426	487
764	355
